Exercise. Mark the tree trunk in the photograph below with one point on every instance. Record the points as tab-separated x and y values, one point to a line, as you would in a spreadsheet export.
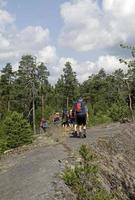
42	106
67	103
34	118
8	106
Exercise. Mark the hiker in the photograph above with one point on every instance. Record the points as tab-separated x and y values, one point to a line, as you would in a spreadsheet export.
43	124
56	118
81	115
65	118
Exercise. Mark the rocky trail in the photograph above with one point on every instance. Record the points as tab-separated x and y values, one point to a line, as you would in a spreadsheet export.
33	174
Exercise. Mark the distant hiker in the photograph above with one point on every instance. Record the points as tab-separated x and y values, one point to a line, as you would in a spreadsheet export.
65	118
56	118
81	114
43	124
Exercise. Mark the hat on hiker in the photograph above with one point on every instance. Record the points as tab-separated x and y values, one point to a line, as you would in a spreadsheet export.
80	99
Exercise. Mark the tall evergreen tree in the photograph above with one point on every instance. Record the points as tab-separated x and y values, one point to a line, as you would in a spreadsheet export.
6	85
71	85
59	93
27	80
43	74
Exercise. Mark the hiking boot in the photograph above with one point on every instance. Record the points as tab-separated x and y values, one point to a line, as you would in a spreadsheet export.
75	134
84	134
80	135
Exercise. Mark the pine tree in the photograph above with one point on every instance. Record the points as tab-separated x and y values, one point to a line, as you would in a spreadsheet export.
71	85
6	85
27	80
43	74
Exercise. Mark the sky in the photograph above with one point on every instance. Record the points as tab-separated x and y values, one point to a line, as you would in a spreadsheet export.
87	33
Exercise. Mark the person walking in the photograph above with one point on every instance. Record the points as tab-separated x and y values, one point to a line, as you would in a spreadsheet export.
81	114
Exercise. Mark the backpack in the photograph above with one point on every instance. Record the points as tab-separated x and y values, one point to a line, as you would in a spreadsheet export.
79	107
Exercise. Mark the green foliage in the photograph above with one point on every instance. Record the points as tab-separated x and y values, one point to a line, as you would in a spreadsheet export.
118	112
16	130
82	177
49	110
100	118
103	195
28	91
86	154
6	88
3	143
70	177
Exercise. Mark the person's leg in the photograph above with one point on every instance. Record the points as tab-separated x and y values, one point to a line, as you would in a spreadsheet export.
79	122
76	125
84	125
80	131
80	128
71	123
75	128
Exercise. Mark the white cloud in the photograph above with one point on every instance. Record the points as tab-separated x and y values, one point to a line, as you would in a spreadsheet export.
119	7
88	26
4	43
30	40
15	43
34	34
5	19
86	68
110	63
48	55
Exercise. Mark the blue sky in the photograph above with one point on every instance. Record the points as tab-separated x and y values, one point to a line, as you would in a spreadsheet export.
85	32
37	12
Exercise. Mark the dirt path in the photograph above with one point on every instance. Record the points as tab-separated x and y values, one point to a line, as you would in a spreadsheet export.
29	176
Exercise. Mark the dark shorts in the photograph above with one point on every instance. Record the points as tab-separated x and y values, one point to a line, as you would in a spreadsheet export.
81	119
72	120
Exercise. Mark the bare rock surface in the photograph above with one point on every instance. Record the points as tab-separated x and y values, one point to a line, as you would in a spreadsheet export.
34	174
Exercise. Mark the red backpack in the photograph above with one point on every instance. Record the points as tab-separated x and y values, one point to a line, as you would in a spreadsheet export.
78	107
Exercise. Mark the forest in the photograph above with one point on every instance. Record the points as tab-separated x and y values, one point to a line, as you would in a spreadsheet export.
26	96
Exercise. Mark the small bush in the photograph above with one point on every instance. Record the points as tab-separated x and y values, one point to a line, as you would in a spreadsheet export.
102	195
16	131
3	144
83	178
99	118
118	111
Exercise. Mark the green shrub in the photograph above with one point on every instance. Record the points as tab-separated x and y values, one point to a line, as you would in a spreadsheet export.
3	144
103	195
16	130
82	178
99	118
118	112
